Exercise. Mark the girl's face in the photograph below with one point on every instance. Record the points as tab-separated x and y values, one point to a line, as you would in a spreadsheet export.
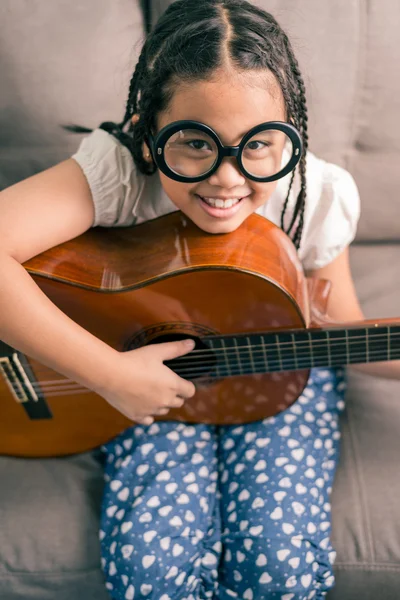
231	104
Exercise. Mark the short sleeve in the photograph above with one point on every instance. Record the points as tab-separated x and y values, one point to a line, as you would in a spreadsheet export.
114	181
331	215
331	211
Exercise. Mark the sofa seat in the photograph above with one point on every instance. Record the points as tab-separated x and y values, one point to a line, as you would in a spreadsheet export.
365	505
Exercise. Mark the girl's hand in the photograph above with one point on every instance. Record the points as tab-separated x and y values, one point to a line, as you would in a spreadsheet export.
142	386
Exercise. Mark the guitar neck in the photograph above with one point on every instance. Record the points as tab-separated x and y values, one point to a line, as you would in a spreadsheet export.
292	350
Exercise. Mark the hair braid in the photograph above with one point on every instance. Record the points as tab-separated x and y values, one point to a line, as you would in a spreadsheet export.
132	104
287	200
292	115
294	97
300	99
132	107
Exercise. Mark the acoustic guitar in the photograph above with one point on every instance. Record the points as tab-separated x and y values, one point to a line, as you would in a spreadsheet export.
242	296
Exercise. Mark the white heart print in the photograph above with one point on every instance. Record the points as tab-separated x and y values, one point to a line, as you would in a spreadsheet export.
148	560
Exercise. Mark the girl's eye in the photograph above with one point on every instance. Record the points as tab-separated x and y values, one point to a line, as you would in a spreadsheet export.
199	145
257	145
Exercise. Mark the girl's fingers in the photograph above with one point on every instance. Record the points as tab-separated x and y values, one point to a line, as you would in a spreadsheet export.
162	411
145	421
187	389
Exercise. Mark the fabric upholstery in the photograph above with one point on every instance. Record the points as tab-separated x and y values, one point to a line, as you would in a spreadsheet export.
365	508
61	63
49	513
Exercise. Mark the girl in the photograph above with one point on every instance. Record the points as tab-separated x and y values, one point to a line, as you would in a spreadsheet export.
195	512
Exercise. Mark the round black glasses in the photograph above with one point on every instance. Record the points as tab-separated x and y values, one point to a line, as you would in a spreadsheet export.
189	151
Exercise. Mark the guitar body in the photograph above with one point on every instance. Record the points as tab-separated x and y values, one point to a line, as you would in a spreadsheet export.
158	281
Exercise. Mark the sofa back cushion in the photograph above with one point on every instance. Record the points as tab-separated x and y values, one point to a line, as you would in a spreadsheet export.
61	63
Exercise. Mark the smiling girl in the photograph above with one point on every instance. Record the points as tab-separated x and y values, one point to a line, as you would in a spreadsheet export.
215	126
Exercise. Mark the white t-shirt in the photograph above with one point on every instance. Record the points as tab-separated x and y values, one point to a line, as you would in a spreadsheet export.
123	196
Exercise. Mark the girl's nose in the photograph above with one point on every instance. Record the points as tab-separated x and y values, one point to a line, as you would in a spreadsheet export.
228	174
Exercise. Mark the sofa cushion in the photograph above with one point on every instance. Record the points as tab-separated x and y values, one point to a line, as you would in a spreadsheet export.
49	520
365	507
375	268
61	63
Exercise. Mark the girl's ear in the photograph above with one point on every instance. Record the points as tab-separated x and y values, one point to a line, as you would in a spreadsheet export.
135	119
145	149
146	153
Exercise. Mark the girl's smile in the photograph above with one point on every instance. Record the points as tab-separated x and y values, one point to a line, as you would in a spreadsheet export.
220	207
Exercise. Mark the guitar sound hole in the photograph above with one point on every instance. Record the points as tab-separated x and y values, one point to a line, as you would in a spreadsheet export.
190	366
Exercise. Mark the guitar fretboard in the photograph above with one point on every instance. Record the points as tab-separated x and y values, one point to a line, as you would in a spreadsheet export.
228	355
305	349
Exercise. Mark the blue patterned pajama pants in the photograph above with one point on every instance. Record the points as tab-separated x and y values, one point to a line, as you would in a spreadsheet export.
192	512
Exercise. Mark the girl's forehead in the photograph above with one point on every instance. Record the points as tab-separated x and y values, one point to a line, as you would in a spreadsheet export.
231	105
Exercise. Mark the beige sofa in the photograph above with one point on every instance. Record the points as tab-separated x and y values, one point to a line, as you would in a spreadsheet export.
71	62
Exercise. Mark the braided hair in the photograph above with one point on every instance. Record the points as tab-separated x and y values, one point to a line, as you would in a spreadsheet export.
190	41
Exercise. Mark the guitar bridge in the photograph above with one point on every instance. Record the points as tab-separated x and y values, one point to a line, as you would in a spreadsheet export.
14	375
21	383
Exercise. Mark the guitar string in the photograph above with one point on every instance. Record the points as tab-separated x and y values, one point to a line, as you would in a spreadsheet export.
267	360
300	344
227	352
297	343
230	371
69	393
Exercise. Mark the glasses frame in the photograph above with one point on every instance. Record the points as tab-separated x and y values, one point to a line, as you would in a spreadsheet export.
157	146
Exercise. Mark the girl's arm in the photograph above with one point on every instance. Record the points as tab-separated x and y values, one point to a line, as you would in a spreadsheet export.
343	306
35	215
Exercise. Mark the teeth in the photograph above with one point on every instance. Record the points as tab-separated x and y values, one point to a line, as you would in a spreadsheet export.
218	203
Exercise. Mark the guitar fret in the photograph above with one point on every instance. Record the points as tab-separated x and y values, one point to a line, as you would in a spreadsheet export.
357	345
238	356
311	350
338	350
264	353
328	349
253	368
377	342
228	368
278	348
296	362
217	364
299	344
271	352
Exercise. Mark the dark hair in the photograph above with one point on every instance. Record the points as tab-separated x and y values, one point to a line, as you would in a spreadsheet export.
190	41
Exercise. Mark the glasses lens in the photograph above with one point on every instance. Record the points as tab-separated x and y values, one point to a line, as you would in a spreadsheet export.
190	153
267	153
